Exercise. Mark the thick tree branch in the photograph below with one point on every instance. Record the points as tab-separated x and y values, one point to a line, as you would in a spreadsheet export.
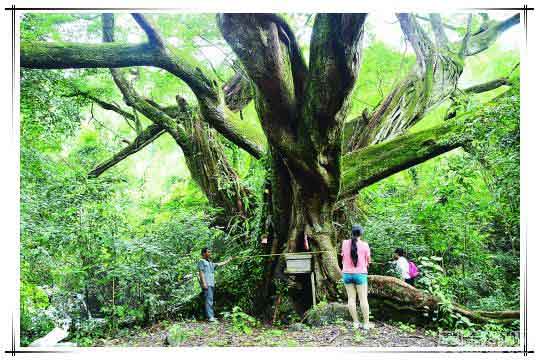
45	55
417	37
438	29
133	99
146	137
153	35
335	57
433	81
256	40
156	115
50	55
485	87
373	163
391	288
429	83
299	66
238	92
488	34
206	90
445	25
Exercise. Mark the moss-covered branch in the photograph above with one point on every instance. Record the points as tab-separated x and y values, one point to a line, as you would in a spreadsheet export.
335	58
146	137
487	86
238	92
257	40
488	33
151	112
431	82
56	55
391	298
404	295
371	164
61	55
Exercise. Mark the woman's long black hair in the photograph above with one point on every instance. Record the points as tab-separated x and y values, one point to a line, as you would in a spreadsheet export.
357	231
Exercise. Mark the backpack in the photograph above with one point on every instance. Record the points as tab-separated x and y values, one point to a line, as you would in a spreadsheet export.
412	269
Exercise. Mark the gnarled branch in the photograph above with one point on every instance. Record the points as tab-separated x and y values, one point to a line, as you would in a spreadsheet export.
155	114
256	40
153	35
50	55
438	29
487	86
133	99
417	37
394	289
335	56
488	34
146	137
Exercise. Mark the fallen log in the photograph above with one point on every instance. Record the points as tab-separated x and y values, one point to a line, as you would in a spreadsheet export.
405	297
392	299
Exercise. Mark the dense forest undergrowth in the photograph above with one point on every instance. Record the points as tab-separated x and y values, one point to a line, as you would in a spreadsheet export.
113	257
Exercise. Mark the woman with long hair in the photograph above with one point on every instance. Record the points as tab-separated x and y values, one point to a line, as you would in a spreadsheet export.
356	256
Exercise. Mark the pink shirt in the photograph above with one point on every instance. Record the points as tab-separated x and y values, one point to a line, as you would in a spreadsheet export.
363	257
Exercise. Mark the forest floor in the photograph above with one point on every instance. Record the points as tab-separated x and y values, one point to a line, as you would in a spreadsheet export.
197	333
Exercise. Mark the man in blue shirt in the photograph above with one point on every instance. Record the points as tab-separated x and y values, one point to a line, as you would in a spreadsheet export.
206	277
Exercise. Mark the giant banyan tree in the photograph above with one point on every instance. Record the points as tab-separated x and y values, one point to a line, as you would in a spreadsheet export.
317	159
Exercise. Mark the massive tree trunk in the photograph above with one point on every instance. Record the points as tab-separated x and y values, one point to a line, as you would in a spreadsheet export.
302	112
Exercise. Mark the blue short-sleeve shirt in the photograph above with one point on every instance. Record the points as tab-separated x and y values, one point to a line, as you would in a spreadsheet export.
208	269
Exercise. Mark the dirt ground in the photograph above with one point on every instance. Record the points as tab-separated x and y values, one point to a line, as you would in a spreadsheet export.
196	333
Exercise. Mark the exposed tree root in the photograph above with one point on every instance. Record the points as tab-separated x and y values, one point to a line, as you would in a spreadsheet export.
413	299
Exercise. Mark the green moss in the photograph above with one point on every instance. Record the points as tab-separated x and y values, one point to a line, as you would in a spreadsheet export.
376	162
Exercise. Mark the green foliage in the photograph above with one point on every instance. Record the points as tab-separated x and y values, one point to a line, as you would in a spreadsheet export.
128	242
359	336
497	149
241	322
133	263
34	322
46	113
178	335
486	335
408	328
88	332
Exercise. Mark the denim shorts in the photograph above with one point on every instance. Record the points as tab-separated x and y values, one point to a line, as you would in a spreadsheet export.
355	278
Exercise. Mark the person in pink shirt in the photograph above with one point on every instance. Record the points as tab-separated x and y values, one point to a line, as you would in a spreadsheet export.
356	256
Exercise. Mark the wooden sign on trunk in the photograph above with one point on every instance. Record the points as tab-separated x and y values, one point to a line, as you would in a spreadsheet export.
298	263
